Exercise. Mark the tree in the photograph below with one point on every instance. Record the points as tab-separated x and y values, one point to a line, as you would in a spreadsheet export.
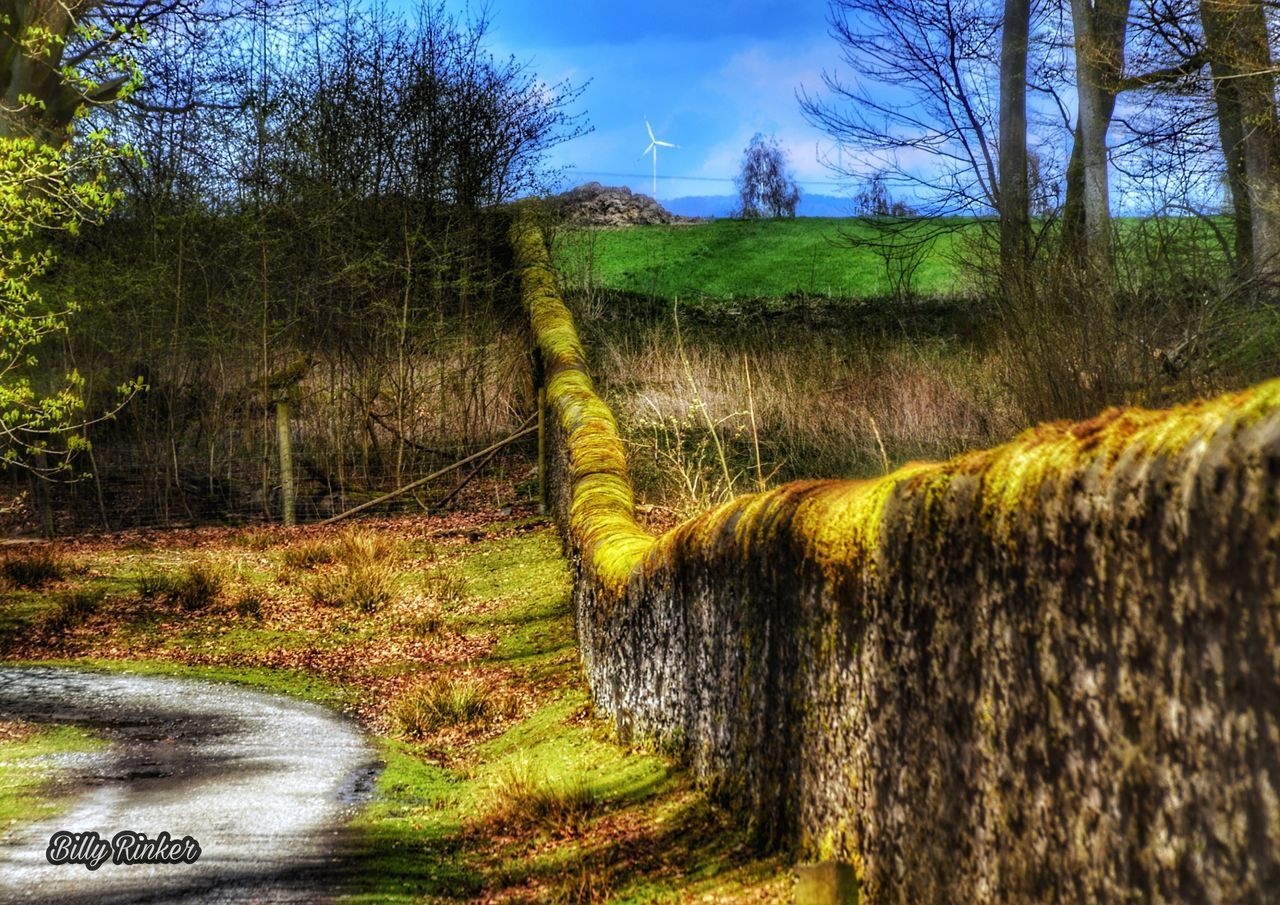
1239	53
875	201
50	185
765	186
43	189
1099	29
60	57
921	108
1015	171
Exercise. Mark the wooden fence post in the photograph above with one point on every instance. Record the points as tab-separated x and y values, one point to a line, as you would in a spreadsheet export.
288	492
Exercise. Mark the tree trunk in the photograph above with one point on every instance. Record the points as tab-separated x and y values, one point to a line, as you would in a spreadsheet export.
1099	45
1015	201
1231	134
1240	57
32	38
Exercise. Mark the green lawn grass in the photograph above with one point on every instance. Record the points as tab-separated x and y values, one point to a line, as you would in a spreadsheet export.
734	259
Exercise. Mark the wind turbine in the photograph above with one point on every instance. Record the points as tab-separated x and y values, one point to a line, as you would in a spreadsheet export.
654	144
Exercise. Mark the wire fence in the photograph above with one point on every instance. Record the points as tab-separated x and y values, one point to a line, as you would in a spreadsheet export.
130	487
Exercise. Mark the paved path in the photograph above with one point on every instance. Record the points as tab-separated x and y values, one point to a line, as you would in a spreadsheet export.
263	782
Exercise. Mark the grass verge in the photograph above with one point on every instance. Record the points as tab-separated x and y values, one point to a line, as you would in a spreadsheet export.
29	765
500	784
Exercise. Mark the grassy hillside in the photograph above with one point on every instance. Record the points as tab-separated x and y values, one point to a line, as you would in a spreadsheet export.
727	259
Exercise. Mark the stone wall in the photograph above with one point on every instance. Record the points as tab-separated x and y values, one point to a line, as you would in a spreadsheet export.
1045	672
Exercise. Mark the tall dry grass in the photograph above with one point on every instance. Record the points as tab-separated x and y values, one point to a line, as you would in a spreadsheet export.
798	403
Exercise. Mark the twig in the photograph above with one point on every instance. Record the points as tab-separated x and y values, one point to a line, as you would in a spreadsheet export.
884	456
755	434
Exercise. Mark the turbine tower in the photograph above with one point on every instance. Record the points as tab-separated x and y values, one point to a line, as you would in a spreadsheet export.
654	144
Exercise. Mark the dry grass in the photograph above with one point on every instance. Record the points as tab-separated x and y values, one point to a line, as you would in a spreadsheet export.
520	797
36	568
258	539
447	587
422	625
249	606
367	587
72	608
357	547
308	554
193	588
366	578
828	406
443	703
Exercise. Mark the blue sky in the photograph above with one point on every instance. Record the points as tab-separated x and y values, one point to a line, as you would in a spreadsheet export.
708	76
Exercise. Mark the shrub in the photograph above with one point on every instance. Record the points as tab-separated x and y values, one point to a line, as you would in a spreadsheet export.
367	588
436	705
34	569
73	607
518	796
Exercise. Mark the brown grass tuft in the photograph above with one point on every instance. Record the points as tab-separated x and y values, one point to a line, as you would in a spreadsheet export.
35	569
520	797
308	554
73	607
441	704
367	587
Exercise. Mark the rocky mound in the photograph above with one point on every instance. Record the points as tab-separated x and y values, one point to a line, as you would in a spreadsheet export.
594	204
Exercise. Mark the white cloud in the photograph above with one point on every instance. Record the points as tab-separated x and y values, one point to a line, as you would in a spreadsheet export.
758	84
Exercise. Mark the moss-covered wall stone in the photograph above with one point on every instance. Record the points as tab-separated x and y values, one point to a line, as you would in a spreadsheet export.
1045	672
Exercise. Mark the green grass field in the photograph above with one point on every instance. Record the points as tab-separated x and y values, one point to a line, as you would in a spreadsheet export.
729	259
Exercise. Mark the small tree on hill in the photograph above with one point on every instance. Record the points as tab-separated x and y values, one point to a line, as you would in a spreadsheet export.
874	200
765	185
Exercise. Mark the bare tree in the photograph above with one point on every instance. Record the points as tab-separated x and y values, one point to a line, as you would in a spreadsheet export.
922	107
765	186
1239	51
1099	28
1015	193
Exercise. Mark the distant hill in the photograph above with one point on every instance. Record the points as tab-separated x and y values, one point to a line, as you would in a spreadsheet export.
723	205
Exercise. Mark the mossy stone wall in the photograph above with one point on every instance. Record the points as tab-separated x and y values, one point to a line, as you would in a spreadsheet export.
1046	672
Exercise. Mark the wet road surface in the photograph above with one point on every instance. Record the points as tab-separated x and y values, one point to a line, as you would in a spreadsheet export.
263	782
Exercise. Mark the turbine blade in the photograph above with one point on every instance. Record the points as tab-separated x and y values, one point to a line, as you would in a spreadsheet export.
650	128
665	144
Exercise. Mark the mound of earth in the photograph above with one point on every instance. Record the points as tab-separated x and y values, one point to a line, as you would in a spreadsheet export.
594	204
